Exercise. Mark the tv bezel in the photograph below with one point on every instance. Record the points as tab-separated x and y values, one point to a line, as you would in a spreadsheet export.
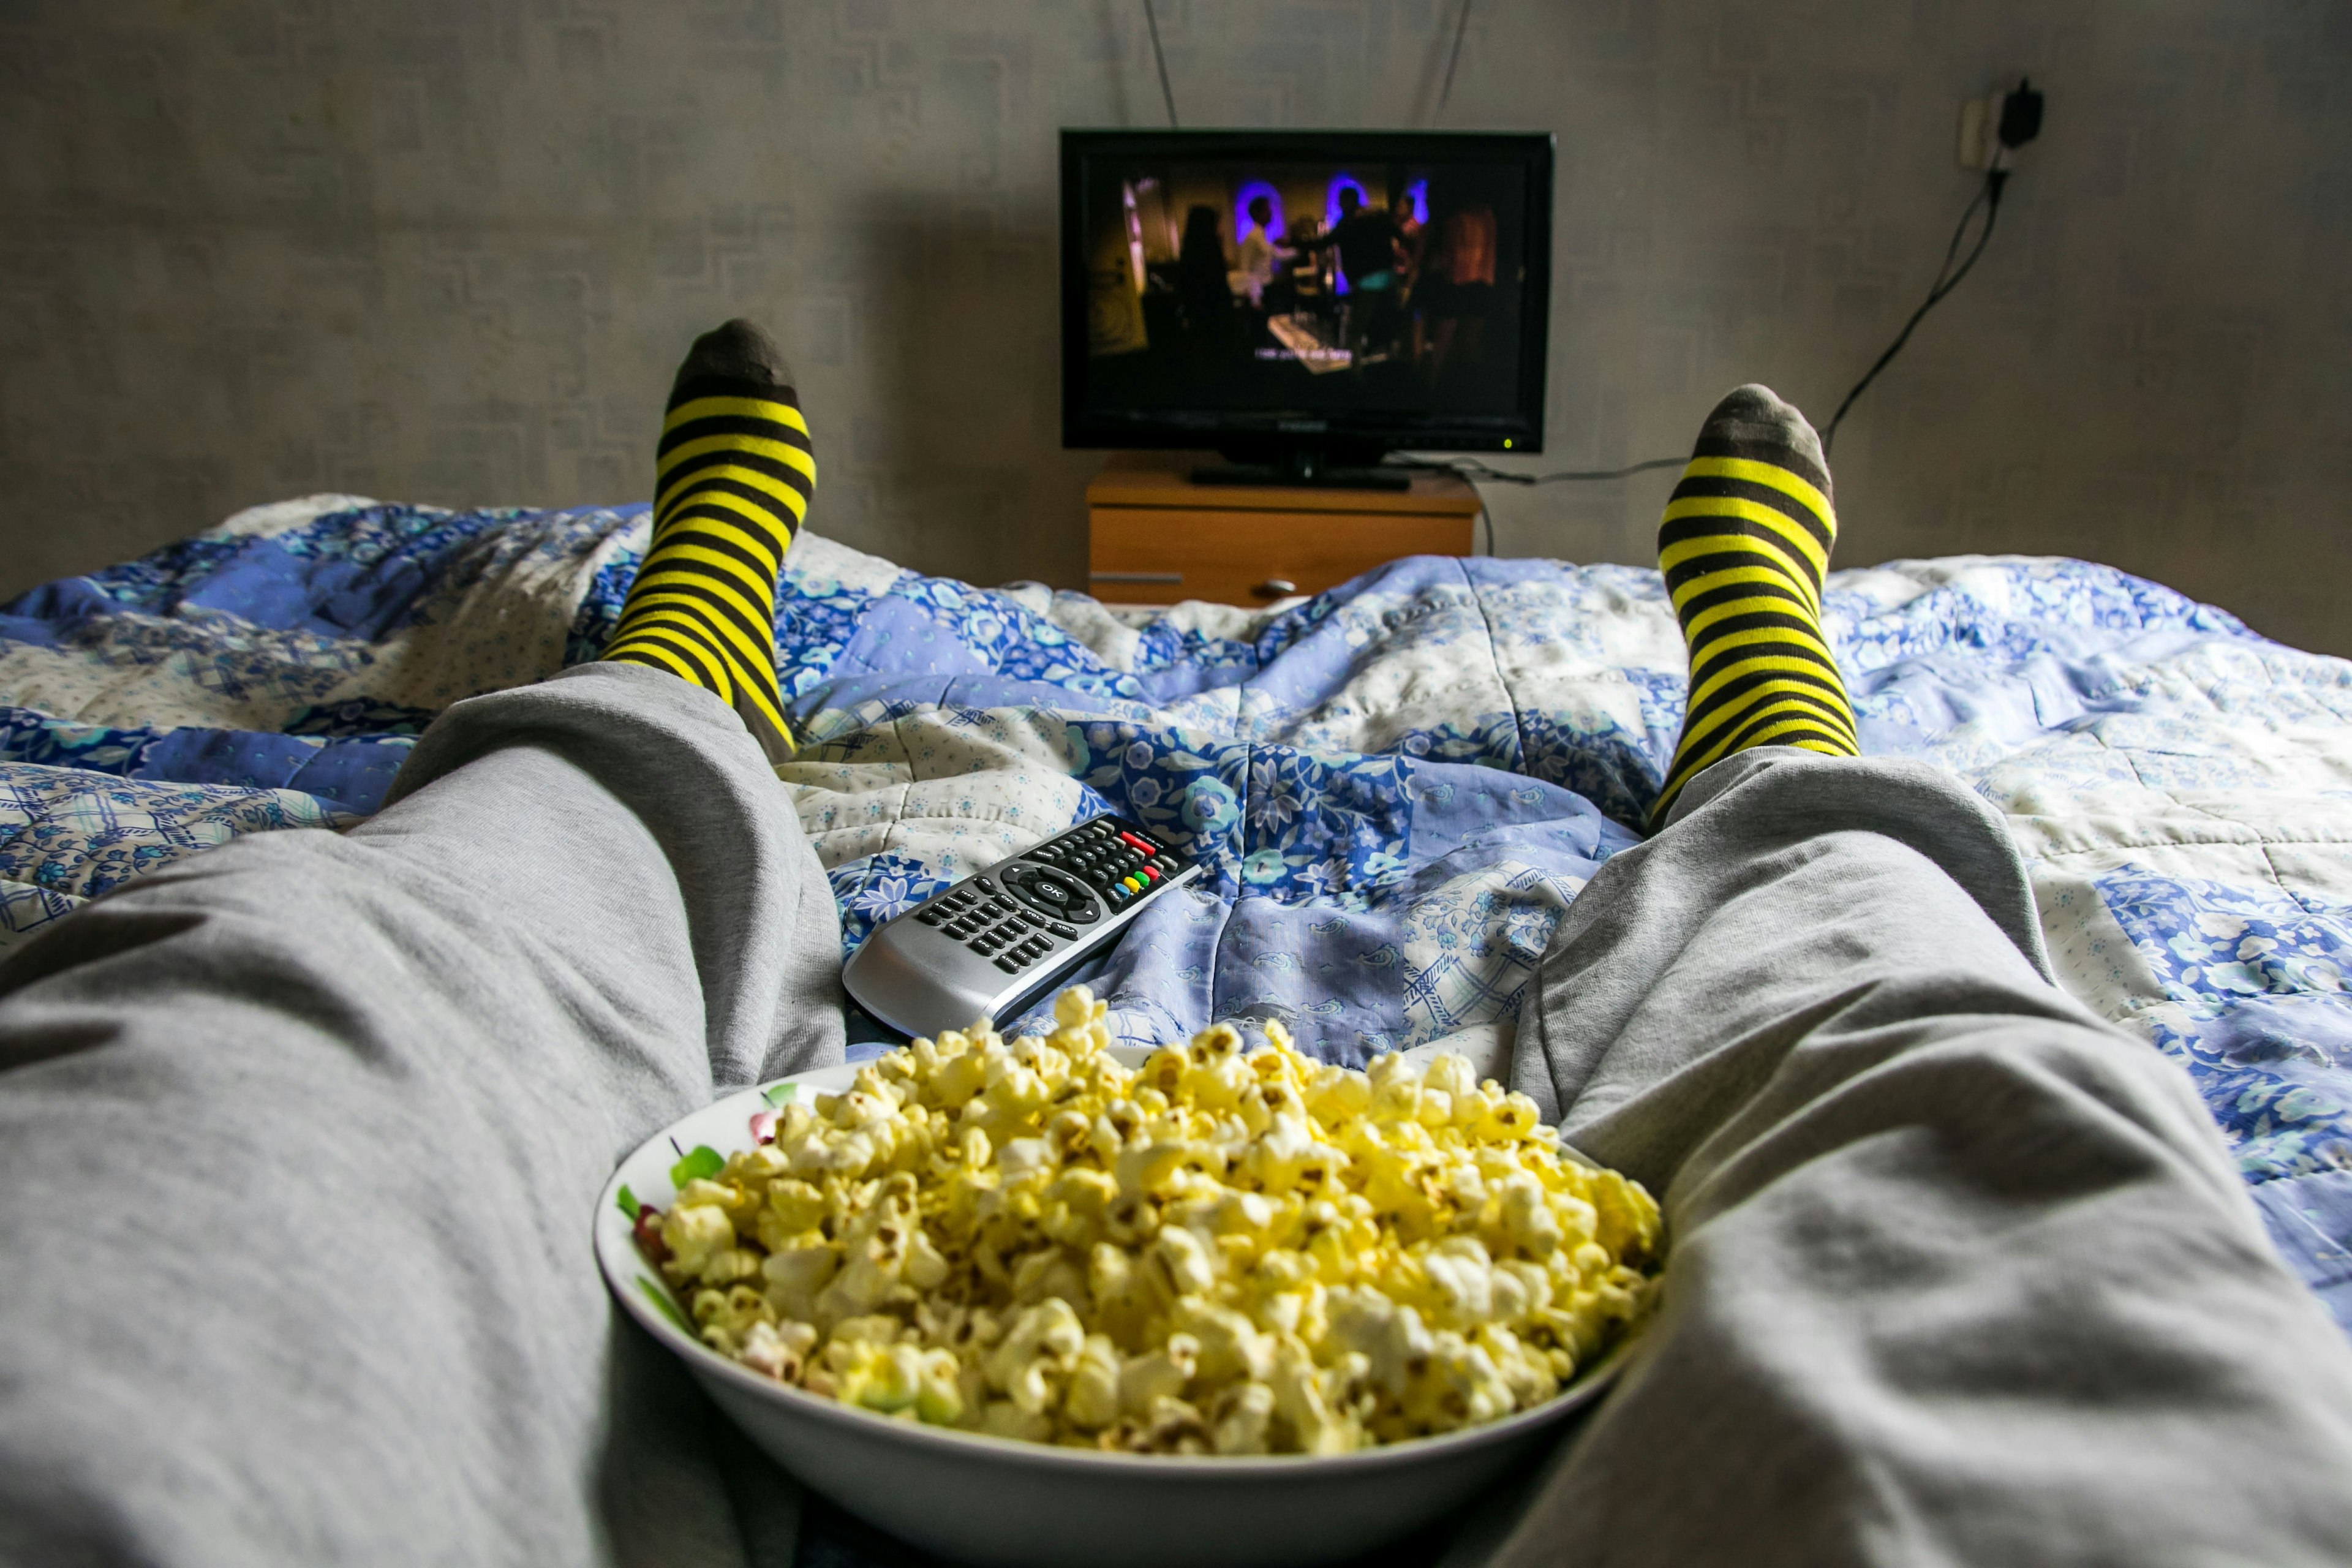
1358	435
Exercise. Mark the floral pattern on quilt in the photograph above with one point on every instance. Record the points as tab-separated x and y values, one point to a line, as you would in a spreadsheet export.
2258	980
1396	787
65	838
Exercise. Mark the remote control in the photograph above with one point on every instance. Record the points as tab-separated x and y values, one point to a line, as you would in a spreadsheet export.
989	945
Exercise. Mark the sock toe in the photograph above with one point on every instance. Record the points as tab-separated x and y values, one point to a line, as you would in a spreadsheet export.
1755	421
736	352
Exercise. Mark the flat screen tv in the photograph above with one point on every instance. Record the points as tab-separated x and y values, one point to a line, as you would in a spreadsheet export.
1307	300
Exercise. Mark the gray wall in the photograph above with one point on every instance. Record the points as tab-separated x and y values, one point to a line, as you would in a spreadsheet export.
449	251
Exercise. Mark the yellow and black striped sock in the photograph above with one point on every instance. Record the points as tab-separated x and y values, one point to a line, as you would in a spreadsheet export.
1744	544
732	480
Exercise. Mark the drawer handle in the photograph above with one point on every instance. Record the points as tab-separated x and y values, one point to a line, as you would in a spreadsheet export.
1137	576
1275	588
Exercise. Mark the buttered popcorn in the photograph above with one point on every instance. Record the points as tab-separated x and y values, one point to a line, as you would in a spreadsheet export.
1218	1252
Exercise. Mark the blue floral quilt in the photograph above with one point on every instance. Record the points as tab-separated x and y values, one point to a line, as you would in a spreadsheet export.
1396	786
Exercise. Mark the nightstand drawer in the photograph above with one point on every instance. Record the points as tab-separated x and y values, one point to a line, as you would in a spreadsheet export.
1158	555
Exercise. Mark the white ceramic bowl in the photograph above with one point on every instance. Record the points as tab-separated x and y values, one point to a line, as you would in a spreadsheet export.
990	1500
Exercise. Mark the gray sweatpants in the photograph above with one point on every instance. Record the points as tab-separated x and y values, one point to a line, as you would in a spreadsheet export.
299	1142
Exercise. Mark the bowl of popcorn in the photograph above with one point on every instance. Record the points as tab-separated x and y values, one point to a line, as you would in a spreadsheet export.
1054	1301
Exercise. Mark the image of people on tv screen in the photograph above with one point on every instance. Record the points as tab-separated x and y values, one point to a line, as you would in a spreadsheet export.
1227	285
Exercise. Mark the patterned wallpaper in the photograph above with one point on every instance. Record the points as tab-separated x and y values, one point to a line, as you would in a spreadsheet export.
448	250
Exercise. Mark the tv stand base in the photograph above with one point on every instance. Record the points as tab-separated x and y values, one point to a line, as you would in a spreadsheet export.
1157	535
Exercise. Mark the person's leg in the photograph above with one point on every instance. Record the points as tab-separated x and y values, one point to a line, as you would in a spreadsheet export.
300	1141
1957	1273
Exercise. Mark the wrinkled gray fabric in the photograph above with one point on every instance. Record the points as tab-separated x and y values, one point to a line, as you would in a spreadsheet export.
300	1139
1958	1273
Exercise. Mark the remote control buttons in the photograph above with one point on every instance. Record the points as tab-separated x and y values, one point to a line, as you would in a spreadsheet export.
1051	893
1023	956
1016	928
952	908
1060	878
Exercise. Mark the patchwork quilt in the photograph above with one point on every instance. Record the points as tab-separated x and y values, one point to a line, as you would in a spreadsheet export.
1396	787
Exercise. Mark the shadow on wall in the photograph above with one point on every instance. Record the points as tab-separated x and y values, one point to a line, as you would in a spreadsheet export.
965	472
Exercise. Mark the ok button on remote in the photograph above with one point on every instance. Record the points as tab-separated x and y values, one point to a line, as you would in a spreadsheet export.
1050	893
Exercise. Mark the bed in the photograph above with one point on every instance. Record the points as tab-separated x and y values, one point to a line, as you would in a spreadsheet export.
1396	787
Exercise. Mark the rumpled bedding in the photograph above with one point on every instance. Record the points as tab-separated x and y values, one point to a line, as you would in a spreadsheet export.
1396	787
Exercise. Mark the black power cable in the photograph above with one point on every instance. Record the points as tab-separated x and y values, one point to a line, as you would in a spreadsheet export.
1445	94
2020	121
1166	92
1988	198
1948	279
1476	472
1471	468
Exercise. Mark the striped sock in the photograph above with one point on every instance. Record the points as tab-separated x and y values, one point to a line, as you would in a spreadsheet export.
732	480
1744	544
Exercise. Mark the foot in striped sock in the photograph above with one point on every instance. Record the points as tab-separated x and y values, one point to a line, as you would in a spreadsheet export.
1744	544
733	478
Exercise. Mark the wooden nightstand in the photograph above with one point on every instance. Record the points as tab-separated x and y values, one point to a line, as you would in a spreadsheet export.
1154	537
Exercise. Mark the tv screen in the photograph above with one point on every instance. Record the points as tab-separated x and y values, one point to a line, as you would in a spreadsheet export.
1259	291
